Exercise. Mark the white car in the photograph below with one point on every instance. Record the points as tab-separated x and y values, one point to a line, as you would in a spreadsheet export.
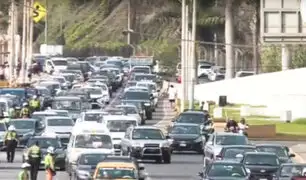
63	113
105	91
216	73
59	125
56	64
91	116
132	110
204	68
98	94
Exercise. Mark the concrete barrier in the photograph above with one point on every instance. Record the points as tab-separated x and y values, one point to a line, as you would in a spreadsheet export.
279	91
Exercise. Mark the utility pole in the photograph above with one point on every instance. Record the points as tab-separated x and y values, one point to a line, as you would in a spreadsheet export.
129	23
12	41
28	63
183	56
46	23
216	60
229	32
24	41
30	55
193	57
187	54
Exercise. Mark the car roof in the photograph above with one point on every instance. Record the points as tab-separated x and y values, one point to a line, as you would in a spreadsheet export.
119	118
260	153
270	145
186	124
239	146
57	117
192	112
293	164
56	110
24	119
146	127
227	134
44	112
126	105
226	162
67	98
117	164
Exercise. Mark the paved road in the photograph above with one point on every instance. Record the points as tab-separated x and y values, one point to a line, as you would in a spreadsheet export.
184	166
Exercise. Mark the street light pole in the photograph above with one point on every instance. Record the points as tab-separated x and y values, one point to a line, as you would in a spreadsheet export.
23	48
129	23
12	41
183	56
193	57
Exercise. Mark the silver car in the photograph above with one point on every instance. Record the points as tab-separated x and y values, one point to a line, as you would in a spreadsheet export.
147	142
131	110
218	140
59	125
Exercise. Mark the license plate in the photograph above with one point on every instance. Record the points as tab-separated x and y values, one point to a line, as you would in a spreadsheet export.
183	145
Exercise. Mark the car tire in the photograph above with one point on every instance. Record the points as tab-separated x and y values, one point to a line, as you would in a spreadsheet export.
167	158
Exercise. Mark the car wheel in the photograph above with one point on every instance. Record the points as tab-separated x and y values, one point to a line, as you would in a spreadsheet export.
167	158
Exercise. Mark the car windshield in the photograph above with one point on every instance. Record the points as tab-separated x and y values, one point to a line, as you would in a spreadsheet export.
19	93
3	106
119	125
136	95
129	110
145	77
62	113
44	143
279	151
261	159
66	105
181	129
2	127
231	153
155	134
95	91
44	92
292	170
194	118
93	141
60	122
141	70
227	170
91	159
60	62
23	124
116	63
231	140
116	173
93	117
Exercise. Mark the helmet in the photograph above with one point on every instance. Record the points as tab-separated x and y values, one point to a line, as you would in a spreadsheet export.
34	97
24	104
11	128
50	150
25	165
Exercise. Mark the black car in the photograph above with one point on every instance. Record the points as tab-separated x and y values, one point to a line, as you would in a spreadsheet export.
143	97
291	171
225	170
280	150
187	137
85	165
44	142
262	165
196	117
27	128
230	152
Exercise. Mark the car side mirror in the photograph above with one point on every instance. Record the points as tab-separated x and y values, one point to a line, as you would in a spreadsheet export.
201	174
292	155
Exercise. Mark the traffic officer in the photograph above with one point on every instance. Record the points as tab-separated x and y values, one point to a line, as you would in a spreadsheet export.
11	141
24	175
25	111
35	104
49	163
34	155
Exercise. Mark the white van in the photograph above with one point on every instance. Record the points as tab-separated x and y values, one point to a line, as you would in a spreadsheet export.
55	64
117	126
88	137
5	105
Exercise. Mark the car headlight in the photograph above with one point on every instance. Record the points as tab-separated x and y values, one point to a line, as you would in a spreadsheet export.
147	104
83	174
199	139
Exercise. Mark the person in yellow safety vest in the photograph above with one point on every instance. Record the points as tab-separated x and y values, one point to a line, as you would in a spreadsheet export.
25	111
49	163
35	104
24	175
34	156
11	142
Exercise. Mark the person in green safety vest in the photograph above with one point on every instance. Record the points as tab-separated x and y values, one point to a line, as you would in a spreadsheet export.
49	163
24	175
34	156
11	141
25	111
35	104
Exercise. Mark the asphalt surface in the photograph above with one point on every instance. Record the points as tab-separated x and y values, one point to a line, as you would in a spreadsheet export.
184	166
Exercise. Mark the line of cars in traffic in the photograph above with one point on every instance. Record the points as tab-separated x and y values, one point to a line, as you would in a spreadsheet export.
93	124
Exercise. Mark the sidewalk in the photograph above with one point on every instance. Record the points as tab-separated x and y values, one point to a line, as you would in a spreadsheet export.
300	152
168	115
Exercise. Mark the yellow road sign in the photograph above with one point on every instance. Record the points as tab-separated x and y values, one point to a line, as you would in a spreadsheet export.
39	12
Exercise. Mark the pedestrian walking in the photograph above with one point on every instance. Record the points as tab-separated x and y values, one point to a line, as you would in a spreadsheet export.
34	156
11	142
172	94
